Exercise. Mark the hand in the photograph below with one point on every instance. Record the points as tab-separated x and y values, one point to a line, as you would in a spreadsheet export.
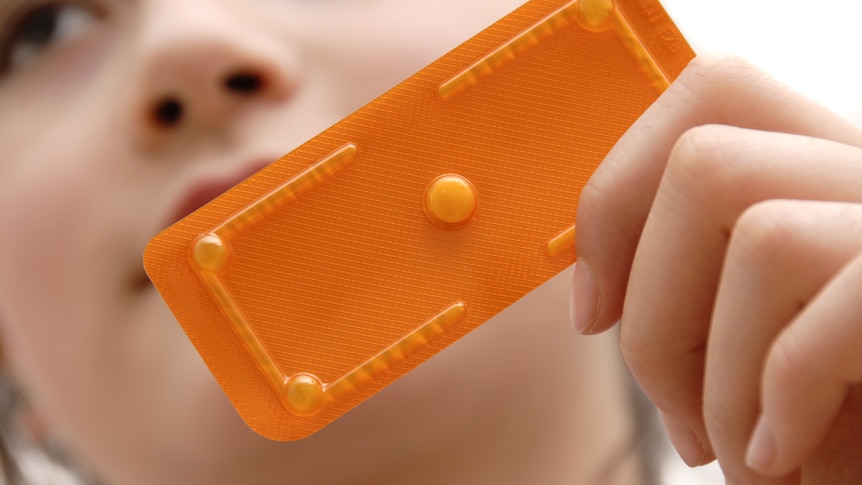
725	227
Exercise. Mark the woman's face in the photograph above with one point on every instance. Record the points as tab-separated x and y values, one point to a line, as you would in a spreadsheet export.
111	112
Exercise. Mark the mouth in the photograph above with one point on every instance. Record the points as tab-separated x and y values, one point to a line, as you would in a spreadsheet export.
198	194
205	190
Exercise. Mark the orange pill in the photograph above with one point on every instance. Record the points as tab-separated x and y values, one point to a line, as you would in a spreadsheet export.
450	201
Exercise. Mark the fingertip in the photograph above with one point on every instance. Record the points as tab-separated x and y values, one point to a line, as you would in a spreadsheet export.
763	448
690	448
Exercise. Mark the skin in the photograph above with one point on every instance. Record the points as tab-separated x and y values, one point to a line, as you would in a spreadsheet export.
725	231
88	176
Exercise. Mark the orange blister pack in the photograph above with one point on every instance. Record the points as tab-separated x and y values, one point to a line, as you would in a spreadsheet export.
343	265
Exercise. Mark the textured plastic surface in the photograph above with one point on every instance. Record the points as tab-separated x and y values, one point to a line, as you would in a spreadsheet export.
348	262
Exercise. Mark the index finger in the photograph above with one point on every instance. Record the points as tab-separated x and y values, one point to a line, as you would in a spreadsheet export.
614	204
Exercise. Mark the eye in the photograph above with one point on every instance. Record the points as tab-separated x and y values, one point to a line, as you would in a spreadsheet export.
40	29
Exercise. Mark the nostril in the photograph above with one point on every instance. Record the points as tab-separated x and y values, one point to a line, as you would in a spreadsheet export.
244	82
168	112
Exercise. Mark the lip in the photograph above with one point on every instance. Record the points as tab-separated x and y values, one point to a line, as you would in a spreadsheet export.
196	194
205	189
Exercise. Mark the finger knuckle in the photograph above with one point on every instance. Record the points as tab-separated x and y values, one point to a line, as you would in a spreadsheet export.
763	236
599	209
596	194
635	354
715	416
697	170
786	359
713	76
601	191
645	363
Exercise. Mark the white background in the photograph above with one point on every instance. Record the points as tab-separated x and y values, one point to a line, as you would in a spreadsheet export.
813	45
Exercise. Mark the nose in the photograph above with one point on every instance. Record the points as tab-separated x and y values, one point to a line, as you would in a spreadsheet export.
195	68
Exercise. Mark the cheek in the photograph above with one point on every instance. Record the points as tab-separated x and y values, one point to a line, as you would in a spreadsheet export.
52	316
